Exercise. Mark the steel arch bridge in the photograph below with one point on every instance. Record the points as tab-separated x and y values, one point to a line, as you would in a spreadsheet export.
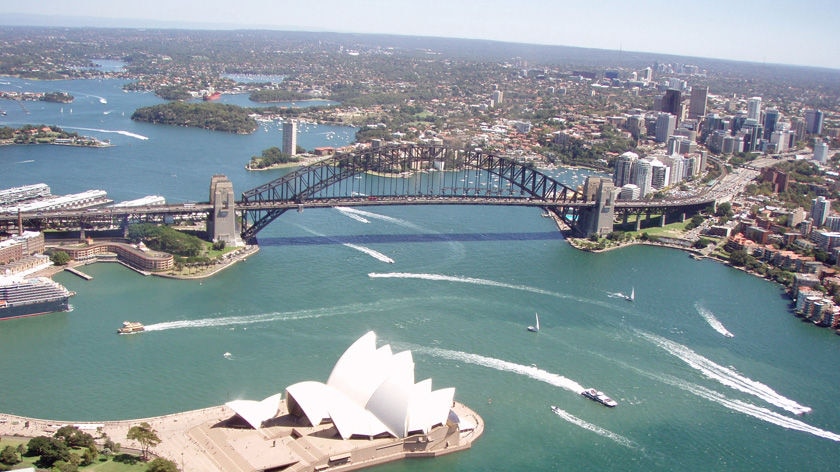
406	174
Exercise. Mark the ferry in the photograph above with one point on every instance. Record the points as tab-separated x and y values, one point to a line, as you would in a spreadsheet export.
130	327
599	396
212	96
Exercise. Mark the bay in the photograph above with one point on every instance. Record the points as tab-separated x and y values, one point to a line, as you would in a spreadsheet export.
464	284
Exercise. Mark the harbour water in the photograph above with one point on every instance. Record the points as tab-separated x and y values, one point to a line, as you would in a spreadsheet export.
707	364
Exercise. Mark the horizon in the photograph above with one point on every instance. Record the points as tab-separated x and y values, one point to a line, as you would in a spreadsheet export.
798	38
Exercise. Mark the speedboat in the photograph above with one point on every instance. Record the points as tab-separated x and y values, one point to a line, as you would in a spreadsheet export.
599	396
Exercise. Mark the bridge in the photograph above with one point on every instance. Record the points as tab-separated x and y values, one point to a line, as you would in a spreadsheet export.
405	174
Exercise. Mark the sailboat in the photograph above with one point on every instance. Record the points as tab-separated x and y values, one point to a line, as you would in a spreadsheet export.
536	327
632	295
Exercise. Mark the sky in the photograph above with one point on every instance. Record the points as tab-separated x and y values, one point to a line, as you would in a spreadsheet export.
803	32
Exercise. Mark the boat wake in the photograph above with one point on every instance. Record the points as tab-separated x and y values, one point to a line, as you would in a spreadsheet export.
504	366
354	216
594	428
371	252
725	375
466	280
363	249
747	408
376	216
713	321
264	317
118	131
28	161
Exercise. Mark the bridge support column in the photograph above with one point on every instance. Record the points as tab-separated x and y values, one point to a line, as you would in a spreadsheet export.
598	219
638	221
662	221
222	224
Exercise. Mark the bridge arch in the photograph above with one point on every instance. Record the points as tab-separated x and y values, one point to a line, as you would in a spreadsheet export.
405	174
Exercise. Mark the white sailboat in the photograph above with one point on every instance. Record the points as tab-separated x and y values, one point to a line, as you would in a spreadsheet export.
632	295
536	327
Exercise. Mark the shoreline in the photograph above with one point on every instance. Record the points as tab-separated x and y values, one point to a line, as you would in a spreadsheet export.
212	439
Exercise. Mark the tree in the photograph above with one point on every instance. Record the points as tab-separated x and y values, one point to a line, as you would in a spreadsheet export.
74	437
724	209
9	456
162	465
738	257
60	258
146	436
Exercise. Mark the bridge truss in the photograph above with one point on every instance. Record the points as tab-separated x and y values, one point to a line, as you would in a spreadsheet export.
409	173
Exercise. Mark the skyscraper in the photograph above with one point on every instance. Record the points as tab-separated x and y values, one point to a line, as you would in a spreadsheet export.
290	137
671	102
644	177
771	118
820	151
665	124
697	102
754	108
819	210
813	121
624	168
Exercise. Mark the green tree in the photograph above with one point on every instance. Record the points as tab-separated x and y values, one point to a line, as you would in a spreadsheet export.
50	450
74	437
146	436
60	258
9	456
89	456
162	465
738	257
724	209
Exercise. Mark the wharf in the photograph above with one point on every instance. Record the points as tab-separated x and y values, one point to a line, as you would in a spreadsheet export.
78	273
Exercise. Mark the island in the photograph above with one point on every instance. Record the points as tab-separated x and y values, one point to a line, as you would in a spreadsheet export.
43	134
212	116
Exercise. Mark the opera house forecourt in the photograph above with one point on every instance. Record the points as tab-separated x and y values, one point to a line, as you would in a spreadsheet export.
370	411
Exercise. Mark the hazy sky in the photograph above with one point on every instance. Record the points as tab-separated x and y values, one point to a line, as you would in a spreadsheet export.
803	32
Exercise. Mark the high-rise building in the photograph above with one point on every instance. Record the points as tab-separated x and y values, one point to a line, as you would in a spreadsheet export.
644	177
771	119
624	168
498	97
754	108
819	210
820	151
665	125
290	137
813	121
659	174
697	102
797	124
671	102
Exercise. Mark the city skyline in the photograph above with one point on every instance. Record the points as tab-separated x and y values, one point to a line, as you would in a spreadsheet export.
743	31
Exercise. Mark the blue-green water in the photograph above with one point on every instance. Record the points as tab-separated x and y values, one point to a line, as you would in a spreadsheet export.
689	397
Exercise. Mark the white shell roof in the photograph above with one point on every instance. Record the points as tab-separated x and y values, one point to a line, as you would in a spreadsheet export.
371	391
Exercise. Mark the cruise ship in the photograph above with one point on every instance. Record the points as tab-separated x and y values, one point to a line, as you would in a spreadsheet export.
30	297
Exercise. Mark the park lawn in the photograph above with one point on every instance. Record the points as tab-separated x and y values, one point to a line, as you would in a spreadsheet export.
98	466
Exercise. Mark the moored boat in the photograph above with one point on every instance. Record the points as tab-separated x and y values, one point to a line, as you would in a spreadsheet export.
130	327
212	96
599	396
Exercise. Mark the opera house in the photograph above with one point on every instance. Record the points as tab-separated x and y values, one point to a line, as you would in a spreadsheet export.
369	411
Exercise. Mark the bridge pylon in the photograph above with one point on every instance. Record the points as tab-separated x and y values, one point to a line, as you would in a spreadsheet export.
222	223
598	219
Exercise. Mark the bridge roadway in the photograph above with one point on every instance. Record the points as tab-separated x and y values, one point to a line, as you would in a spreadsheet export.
105	217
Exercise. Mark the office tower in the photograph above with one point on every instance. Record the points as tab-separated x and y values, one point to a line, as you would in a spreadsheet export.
754	108
752	133
644	177
498	97
624	168
646	74
659	174
697	102
820	151
813	121
665	125
819	210
671	102
290	137
771	119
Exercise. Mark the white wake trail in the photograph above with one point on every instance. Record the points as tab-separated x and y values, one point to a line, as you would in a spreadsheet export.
749	409
713	321
352	215
377	216
725	375
466	280
594	428
371	252
504	366
117	131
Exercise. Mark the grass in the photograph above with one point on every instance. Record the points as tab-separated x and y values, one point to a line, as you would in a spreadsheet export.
98	466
